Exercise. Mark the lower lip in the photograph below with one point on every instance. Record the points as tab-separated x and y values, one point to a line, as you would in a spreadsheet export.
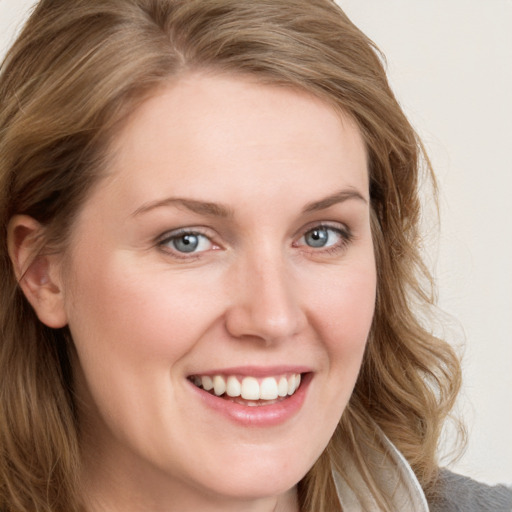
257	416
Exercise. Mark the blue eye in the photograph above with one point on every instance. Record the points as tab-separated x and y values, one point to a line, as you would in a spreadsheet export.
323	236
317	237
187	242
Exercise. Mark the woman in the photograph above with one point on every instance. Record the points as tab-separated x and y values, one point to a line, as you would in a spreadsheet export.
210	257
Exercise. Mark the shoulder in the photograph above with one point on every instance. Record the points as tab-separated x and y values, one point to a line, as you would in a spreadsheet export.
456	493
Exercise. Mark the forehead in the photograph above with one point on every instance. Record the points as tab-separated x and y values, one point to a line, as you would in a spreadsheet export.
205	129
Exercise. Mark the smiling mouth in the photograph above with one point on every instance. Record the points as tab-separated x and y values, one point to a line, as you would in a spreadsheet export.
249	391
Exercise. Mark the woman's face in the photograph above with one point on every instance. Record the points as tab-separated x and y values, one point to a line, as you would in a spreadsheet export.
229	246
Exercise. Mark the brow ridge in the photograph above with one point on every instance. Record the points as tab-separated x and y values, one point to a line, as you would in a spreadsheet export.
338	197
200	207
218	210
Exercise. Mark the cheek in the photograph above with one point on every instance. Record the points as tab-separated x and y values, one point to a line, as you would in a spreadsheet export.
132	329
119	308
348	305
344	318
341	314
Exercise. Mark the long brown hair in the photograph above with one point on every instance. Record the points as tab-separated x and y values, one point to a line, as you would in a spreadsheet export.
74	74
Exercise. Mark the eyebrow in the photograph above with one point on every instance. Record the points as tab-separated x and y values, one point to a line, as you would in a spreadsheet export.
199	207
218	210
336	198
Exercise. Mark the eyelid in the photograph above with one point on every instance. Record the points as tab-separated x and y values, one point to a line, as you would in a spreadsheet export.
175	233
164	239
336	226
343	231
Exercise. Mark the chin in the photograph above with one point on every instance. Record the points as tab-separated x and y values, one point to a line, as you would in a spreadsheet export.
250	483
258	473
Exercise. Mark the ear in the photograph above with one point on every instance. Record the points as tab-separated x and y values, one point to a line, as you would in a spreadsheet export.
38	274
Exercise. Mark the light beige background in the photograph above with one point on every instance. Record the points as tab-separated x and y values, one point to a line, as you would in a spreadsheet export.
450	64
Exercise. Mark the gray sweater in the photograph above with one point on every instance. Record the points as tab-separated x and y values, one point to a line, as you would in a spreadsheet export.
456	493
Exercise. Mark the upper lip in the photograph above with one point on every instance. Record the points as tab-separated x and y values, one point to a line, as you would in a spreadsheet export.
256	371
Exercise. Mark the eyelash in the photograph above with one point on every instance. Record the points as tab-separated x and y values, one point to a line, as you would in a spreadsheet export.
169	237
344	234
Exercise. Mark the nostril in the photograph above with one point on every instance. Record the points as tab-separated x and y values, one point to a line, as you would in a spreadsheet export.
264	322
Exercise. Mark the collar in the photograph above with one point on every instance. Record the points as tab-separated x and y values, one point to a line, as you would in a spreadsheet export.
395	477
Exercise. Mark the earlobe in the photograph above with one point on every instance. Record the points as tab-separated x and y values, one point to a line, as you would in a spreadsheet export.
38	274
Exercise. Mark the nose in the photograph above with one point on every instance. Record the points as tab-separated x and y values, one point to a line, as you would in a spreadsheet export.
264	302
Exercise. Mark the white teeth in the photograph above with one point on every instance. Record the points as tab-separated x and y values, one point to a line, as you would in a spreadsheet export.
268	389
282	387
233	387
250	389
219	385
207	383
291	385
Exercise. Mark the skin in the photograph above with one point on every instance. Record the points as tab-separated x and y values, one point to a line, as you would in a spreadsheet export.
144	316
